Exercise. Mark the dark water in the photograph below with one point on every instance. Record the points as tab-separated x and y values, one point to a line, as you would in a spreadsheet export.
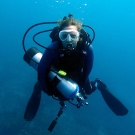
114	48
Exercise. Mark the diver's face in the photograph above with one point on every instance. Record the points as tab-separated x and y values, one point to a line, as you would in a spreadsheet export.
69	40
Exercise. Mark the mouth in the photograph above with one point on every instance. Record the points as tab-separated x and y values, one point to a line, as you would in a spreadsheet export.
70	46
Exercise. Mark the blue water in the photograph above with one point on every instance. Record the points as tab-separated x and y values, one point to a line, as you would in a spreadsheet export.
114	49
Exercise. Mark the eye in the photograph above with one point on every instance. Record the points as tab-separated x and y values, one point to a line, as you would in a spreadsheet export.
64	35
73	35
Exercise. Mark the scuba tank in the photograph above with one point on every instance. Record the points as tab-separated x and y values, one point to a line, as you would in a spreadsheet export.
67	87
33	57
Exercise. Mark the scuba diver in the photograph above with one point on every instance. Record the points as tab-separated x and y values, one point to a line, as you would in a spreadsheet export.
64	69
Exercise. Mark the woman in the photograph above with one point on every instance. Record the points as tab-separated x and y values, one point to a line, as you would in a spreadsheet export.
75	58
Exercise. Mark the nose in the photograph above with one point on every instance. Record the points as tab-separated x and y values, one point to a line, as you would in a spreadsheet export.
68	38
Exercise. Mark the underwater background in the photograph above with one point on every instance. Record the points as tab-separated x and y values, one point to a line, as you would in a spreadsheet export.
114	63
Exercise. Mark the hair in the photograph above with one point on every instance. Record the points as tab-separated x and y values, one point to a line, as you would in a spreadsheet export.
69	21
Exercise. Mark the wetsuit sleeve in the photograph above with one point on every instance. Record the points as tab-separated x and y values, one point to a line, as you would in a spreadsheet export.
88	64
47	59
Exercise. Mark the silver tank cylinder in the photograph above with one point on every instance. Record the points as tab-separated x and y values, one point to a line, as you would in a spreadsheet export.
33	57
68	88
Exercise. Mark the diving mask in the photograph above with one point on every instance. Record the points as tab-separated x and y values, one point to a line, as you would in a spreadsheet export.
69	35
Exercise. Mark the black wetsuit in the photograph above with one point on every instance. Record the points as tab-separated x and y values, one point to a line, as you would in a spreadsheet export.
78	66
